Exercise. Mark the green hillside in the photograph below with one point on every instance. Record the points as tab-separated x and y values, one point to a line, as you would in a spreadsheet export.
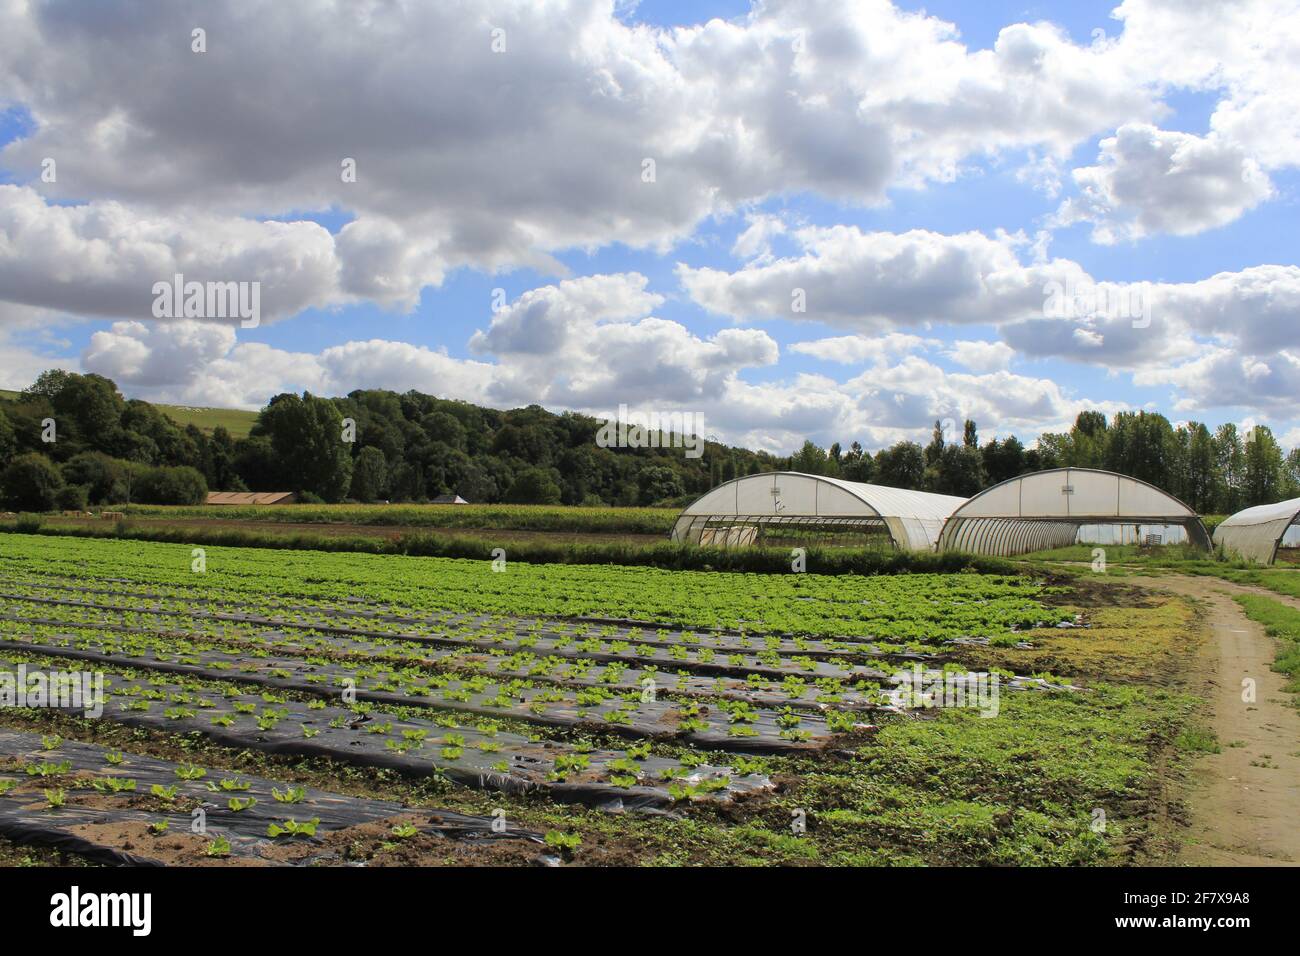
236	421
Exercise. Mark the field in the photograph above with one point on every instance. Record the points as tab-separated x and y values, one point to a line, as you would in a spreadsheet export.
333	708
551	518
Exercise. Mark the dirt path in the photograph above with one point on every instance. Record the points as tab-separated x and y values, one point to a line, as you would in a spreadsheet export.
1245	800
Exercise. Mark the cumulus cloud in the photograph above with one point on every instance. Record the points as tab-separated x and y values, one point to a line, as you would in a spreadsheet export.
157	355
874	281
1223	378
592	343
541	321
981	356
103	258
1245	53
467	156
1150	181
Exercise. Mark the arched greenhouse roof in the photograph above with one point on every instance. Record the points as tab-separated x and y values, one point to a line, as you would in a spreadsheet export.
913	519
1045	509
1256	533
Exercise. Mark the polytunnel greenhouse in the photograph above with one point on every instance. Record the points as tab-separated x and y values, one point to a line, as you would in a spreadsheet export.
1256	533
771	507
1046	509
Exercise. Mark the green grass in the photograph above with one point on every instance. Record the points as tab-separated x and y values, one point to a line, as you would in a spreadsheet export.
235	420
1283	623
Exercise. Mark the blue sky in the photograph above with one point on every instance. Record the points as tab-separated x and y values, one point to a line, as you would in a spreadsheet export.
922	184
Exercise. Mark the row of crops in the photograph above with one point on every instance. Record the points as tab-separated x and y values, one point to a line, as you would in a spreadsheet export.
493	681
911	608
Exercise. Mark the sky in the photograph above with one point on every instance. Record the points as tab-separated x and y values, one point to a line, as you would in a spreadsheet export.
822	219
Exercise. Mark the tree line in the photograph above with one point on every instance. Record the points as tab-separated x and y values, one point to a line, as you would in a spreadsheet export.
72	441
1213	472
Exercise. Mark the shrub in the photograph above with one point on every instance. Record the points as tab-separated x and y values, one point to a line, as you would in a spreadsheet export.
71	498
534	486
30	483
170	486
105	477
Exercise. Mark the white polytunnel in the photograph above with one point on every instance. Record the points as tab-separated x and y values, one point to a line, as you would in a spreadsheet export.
1047	509
1256	533
762	507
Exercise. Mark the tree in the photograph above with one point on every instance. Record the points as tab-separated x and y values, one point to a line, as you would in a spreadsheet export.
1003	460
71	498
162	485
1198	467
31	482
856	465
970	435
105	479
8	444
902	466
935	448
960	471
1262	484
809	459
534	486
369	475
658	484
306	435
1230	468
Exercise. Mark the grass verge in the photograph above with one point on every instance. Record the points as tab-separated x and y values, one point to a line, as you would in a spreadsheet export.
1283	623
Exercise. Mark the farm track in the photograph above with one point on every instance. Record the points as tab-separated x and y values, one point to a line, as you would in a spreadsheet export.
1246	800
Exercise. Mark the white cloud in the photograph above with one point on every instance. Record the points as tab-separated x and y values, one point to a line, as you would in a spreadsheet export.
980	356
158	354
1245	53
1149	181
870	282
854	349
469	157
1222	378
103	258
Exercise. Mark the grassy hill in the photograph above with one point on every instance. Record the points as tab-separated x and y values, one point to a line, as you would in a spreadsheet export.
236	421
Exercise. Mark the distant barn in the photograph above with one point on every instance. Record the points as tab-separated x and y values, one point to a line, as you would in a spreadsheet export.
251	497
449	500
